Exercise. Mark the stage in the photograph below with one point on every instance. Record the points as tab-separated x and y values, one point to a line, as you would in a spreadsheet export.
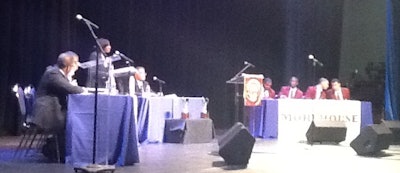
267	156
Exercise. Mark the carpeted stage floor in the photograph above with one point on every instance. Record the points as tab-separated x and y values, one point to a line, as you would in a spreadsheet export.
268	156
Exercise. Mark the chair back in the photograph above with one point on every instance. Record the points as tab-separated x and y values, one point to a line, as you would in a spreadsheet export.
19	94
29	92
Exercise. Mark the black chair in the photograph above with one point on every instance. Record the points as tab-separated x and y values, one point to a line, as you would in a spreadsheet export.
32	135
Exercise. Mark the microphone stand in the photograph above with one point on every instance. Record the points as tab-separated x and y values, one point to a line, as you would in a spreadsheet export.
314	69
95	167
160	89
234	80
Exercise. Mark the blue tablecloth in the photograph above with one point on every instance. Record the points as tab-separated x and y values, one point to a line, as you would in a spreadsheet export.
116	131
153	111
263	120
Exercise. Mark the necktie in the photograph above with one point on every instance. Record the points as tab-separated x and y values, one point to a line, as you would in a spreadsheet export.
318	94
292	93
338	95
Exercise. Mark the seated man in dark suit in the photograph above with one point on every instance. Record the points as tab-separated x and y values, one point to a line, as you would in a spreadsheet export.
291	91
269	93
50	107
142	87
337	92
318	91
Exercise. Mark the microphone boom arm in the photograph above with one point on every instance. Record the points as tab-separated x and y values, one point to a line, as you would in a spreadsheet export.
241	71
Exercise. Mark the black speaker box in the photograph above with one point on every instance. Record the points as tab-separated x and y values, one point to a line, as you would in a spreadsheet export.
236	145
394	126
326	131
188	131
372	139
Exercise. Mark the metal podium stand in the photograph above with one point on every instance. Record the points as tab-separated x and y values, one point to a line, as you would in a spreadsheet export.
237	81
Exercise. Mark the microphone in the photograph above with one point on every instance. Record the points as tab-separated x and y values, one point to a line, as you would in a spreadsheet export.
123	56
158	80
249	64
87	21
311	57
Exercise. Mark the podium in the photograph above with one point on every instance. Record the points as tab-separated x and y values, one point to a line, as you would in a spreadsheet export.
237	81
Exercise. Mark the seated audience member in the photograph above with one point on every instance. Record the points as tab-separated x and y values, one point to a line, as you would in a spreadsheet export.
50	107
291	91
337	92
318	91
268	91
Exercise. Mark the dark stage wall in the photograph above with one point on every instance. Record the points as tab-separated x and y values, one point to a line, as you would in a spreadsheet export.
195	45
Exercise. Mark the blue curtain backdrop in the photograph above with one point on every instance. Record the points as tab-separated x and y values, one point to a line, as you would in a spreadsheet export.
392	87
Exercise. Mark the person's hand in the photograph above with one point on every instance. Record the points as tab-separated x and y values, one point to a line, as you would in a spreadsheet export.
85	90
74	82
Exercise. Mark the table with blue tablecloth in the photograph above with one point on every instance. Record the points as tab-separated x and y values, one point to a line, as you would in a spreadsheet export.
116	141
153	111
263	120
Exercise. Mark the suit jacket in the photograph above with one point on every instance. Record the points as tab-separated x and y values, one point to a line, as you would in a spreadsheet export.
285	92
271	93
50	105
330	94
311	93
140	90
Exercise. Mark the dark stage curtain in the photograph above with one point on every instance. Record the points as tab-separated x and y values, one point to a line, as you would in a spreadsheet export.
392	85
194	45
33	33
313	27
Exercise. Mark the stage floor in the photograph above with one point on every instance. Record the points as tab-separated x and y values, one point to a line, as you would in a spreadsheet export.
268	156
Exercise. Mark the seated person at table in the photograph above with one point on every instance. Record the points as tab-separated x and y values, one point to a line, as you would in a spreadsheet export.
141	85
291	91
268	91
318	91
50	107
337	92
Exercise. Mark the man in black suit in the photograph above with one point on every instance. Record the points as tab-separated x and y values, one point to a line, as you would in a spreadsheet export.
51	97
142	87
50	107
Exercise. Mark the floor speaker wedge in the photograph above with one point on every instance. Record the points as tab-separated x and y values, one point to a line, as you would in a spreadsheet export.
372	139
236	145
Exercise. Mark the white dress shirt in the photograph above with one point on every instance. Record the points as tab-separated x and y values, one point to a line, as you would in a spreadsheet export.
318	92
292	92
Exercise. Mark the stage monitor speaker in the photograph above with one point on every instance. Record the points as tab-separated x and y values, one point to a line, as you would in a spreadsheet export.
394	126
326	131
372	139
236	145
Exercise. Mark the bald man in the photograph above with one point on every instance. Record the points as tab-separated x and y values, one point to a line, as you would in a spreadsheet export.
291	91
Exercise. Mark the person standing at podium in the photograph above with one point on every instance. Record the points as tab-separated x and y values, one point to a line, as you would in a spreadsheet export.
103	66
337	92
291	91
